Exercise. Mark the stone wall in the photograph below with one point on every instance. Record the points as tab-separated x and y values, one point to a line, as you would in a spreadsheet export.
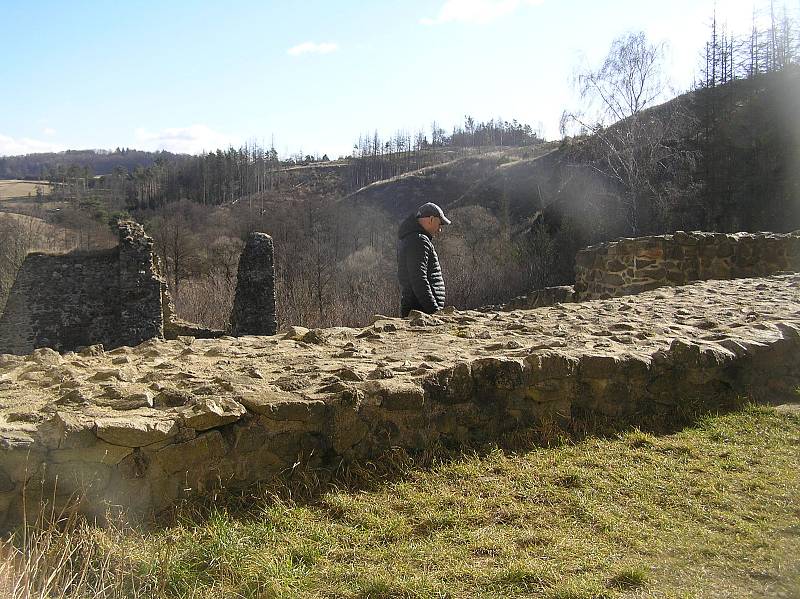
547	296
138	428
111	297
254	303
631	266
79	299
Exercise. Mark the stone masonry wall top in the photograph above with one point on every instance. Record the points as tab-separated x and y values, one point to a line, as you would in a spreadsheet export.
634	265
139	427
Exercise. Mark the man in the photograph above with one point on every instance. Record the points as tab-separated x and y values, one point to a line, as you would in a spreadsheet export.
418	266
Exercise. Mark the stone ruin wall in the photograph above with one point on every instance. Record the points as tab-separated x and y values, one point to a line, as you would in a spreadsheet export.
64	302
633	265
630	266
253	311
143	431
117	297
138	432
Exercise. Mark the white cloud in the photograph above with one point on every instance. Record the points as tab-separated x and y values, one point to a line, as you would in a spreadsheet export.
49	131
10	146
184	140
476	11
312	48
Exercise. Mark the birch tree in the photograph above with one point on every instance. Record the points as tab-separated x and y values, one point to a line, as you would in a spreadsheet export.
615	96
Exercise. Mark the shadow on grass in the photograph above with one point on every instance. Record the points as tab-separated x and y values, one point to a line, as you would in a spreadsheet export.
306	486
221	517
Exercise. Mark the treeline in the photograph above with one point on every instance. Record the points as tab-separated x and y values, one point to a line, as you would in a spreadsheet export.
209	179
252	171
59	166
747	173
376	159
772	44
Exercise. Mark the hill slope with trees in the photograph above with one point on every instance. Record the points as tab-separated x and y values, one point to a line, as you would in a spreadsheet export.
724	157
55	166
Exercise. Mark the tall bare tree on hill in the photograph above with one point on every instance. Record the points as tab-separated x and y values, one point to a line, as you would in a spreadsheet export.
630	145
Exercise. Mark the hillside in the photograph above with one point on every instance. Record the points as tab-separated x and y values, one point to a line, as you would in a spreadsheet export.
505	178
720	159
726	159
98	162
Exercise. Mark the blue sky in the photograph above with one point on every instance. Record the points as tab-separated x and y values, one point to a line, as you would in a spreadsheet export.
191	75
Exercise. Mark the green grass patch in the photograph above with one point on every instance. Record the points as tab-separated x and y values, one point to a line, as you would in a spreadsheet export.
708	511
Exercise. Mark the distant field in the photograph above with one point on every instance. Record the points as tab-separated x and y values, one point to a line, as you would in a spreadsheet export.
14	188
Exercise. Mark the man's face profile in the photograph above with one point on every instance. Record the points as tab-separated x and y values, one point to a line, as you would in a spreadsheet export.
431	224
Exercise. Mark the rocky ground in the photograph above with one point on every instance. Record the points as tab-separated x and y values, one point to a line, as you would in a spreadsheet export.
139	427
159	376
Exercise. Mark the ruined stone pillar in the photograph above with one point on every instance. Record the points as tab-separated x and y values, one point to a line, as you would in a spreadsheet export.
254	305
140	303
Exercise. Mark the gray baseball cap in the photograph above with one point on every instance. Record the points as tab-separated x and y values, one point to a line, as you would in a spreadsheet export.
431	209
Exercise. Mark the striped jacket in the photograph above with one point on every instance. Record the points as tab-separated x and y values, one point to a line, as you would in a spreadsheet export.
418	270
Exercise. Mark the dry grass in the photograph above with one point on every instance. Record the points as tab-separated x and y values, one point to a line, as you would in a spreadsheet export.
709	511
13	188
38	235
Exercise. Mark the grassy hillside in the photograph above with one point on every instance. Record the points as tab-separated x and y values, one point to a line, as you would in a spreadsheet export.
725	159
489	179
708	511
14	188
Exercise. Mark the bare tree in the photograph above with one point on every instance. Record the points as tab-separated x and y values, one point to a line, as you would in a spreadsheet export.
176	242
629	142
18	236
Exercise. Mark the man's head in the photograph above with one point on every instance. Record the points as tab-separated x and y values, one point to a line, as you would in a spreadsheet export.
431	218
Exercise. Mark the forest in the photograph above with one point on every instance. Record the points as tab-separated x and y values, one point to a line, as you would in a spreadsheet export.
724	156
59	166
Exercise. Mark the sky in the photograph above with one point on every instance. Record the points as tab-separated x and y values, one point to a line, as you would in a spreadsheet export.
310	76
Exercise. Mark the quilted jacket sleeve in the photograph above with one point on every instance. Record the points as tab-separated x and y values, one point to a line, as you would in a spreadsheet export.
418	257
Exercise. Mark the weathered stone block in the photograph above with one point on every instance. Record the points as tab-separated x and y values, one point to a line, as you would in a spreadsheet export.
497	374
289	446
100	452
347	427
66	430
256	466
396	395
76	478
254	304
598	366
451	385
612	279
135	431
199	453
210	412
547	365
